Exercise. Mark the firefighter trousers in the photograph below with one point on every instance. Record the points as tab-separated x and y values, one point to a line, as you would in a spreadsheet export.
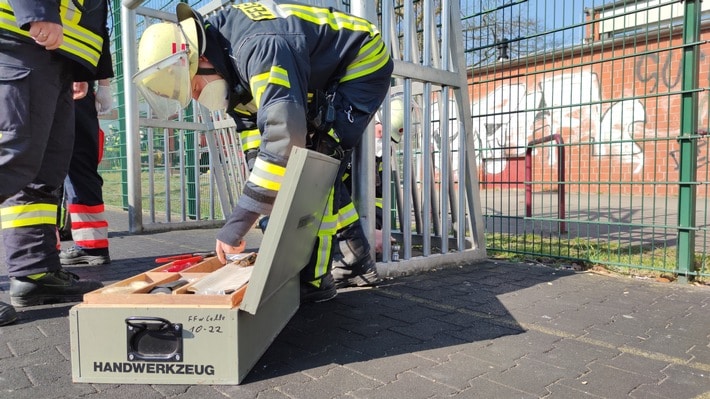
36	138
355	103
83	187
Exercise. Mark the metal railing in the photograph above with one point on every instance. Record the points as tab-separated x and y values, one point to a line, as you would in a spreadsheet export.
432	165
529	177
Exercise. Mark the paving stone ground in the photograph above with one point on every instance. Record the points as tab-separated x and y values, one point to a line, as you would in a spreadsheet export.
485	330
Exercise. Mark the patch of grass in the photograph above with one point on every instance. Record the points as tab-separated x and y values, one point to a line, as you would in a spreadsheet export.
113	193
635	260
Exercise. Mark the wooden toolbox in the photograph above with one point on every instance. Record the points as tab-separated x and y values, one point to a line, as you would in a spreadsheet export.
128	332
163	286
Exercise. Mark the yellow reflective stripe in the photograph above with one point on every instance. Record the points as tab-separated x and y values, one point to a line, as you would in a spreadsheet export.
333	135
276	75
250	139
325	245
329	222
76	46
347	215
28	215
78	40
69	12
378	203
241	111
325	236
371	58
267	175
328	225
323	16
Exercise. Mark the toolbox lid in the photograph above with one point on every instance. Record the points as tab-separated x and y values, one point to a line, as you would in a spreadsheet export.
293	225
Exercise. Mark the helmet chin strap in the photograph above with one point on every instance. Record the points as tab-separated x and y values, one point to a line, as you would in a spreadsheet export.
206	71
237	95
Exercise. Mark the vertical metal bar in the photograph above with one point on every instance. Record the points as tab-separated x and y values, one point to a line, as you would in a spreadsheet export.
387	36
444	126
427	37
429	220
392	217
406	209
688	142
363	161
121	109
150	135
469	176
195	170
168	139
128	41
182	155
444	162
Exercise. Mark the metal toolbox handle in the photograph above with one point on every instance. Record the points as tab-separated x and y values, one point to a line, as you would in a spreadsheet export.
151	338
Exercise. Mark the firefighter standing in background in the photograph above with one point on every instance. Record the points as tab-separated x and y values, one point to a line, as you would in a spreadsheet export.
348	254
83	187
259	61
45	46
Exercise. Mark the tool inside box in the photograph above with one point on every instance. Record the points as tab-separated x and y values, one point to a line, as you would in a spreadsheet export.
162	287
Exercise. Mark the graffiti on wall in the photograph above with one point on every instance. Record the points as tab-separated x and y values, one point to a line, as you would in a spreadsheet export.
569	104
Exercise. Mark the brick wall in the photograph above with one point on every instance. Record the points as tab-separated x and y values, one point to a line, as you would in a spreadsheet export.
615	103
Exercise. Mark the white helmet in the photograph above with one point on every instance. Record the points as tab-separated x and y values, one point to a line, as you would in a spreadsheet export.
396	117
168	55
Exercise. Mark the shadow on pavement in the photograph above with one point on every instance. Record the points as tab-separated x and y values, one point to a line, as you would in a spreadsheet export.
410	314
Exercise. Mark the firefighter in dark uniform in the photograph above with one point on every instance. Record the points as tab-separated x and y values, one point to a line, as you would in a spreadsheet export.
45	46
83	187
352	265
259	61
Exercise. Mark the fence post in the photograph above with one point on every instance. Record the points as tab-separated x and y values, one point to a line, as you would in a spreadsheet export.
685	266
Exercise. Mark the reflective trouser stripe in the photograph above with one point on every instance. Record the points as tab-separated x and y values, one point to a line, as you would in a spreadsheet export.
28	215
347	215
326	231
89	227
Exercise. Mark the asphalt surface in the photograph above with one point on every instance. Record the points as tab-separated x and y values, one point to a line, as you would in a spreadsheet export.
485	330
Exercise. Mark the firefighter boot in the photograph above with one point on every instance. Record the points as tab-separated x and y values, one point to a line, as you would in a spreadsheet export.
353	265
324	291
84	256
7	314
49	287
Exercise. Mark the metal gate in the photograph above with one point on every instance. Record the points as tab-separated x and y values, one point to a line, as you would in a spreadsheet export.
430	179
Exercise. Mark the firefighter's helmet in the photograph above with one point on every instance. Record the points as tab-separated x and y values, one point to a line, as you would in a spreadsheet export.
396	117
168	56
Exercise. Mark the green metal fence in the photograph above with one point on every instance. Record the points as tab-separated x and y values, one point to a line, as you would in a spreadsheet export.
590	120
175	174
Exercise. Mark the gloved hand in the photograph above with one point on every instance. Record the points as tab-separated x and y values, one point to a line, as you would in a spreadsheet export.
104	100
263	222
